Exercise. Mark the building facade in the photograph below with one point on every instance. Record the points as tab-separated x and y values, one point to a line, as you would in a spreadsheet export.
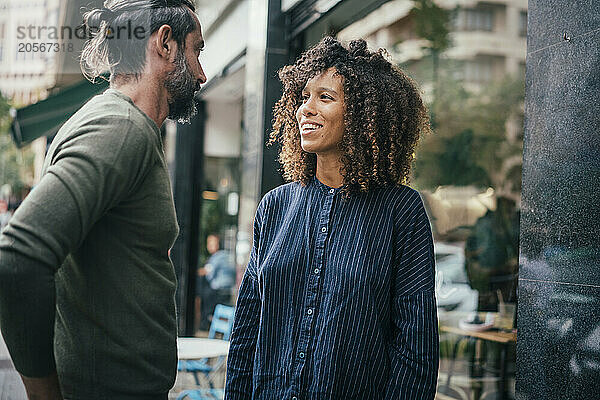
26	76
487	38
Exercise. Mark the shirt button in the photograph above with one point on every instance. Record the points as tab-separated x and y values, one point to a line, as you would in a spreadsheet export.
309	311
331	191
317	270
294	398
323	229
301	355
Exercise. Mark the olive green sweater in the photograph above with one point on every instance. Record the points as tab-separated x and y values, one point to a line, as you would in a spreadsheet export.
86	283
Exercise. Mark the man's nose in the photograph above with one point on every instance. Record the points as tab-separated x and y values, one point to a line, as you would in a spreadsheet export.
201	75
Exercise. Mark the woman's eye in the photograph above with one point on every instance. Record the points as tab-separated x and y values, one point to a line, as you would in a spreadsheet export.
326	96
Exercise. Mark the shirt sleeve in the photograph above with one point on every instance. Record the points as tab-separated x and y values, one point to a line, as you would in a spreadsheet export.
414	346
240	362
89	173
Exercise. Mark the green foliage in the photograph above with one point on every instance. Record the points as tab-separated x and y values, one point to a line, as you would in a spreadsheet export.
4	114
15	164
451	162
470	145
431	24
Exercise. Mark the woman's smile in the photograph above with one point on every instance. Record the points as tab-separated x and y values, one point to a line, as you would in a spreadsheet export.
320	117
306	128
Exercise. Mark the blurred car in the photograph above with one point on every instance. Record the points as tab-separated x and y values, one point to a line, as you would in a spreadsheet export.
453	291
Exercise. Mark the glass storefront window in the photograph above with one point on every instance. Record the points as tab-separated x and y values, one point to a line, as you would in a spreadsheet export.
220	200
468	173
216	266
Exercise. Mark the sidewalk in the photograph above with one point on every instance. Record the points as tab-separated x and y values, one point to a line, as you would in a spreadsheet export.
11	387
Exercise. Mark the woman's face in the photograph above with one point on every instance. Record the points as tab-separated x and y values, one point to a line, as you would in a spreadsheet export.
321	115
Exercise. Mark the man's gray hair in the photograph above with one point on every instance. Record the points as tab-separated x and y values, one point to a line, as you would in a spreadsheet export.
121	29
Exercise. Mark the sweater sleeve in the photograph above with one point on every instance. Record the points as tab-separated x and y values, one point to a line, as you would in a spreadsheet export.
94	168
413	351
240	362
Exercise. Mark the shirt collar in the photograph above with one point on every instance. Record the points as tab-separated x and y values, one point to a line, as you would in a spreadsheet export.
324	188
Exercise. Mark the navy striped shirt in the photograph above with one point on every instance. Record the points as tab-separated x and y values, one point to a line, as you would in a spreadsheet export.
338	299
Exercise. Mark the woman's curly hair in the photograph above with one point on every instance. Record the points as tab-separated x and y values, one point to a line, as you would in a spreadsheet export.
384	116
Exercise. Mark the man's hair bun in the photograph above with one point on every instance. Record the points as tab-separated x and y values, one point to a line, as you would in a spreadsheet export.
95	17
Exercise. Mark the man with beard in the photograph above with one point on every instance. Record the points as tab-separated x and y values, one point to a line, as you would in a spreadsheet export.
87	287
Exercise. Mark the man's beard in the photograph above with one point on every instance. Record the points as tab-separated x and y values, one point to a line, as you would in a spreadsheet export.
181	86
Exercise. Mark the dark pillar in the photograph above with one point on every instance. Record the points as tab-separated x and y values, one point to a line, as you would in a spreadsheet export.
267	51
276	57
558	347
189	157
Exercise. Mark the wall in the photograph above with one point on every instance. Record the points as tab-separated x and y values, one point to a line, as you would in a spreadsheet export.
226	40
223	130
558	348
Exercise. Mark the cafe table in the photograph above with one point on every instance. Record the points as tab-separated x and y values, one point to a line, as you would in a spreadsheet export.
193	348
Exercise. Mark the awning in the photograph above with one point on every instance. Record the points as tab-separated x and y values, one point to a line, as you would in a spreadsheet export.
45	117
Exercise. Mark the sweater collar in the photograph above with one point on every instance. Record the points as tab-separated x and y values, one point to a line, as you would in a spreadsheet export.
123	96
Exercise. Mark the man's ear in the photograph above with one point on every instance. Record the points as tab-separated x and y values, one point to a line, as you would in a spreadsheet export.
165	45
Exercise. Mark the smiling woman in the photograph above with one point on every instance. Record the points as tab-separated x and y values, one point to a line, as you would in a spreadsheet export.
383	114
321	118
338	299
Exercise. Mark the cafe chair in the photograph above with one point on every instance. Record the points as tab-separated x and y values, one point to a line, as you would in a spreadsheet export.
221	325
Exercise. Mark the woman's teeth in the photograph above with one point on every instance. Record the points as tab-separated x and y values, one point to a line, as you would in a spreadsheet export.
310	127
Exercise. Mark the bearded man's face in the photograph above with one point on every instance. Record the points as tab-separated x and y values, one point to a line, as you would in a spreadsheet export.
181	86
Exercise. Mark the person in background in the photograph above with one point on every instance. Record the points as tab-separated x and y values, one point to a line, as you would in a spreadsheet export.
215	279
492	255
87	288
338	298
5	214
